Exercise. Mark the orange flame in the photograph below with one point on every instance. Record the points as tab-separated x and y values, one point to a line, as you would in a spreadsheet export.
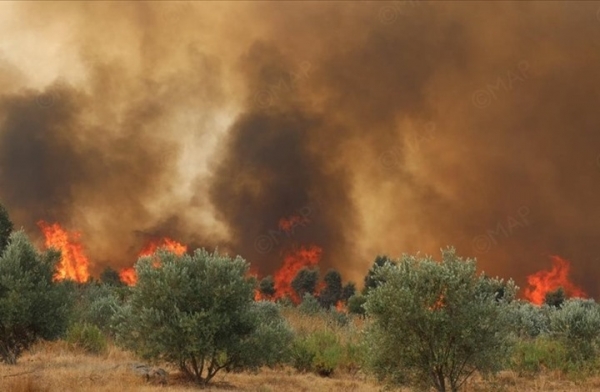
164	243
340	307
73	263
128	275
293	262
543	282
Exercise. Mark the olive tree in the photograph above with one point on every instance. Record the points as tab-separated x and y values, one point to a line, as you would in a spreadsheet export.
197	312
32	306
436	323
577	324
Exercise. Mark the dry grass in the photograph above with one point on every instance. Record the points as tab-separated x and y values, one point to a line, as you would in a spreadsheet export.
57	367
51	367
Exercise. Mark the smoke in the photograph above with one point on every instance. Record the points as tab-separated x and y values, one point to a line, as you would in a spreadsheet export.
389	127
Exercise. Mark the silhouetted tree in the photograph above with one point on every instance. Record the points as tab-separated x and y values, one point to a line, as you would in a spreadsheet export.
348	291
333	289
305	281
371	281
555	298
267	286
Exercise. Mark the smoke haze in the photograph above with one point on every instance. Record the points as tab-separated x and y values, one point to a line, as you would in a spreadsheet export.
390	127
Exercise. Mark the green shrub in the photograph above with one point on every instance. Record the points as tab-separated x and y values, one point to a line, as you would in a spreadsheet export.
577	324
97	305
309	305
320	352
355	304
302	355
353	357
87	337
530	320
32	306
270	343
337	318
531	356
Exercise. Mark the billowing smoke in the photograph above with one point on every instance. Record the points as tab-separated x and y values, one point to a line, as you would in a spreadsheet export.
386	127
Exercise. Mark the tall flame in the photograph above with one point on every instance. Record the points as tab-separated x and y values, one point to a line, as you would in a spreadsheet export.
73	263
128	275
294	261
543	282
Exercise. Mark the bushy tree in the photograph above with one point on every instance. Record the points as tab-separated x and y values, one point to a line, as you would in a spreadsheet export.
332	292
577	324
32	306
267	286
6	227
305	281
269	344
356	304
436	323
195	311
530	320
371	280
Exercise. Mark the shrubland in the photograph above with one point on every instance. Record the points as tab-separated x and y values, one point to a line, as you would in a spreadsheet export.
417	323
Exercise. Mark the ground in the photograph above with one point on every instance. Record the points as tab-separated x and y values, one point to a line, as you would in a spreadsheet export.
51	367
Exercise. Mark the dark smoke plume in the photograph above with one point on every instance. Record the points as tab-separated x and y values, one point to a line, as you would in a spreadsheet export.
389	127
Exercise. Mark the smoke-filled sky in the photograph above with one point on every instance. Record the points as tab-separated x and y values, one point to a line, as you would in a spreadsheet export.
388	127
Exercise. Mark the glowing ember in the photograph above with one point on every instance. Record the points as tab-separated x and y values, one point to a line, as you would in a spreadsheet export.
294	261
128	275
73	262
543	282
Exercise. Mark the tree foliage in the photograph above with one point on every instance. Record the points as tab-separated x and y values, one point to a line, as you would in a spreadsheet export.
555	298
332	292
436	323
111	277
577	324
371	280
305	281
348	291
6	227
267	286
32	306
195	311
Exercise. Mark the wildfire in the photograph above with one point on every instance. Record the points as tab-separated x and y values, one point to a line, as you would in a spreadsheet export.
164	243
294	261
543	282
128	275
73	263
